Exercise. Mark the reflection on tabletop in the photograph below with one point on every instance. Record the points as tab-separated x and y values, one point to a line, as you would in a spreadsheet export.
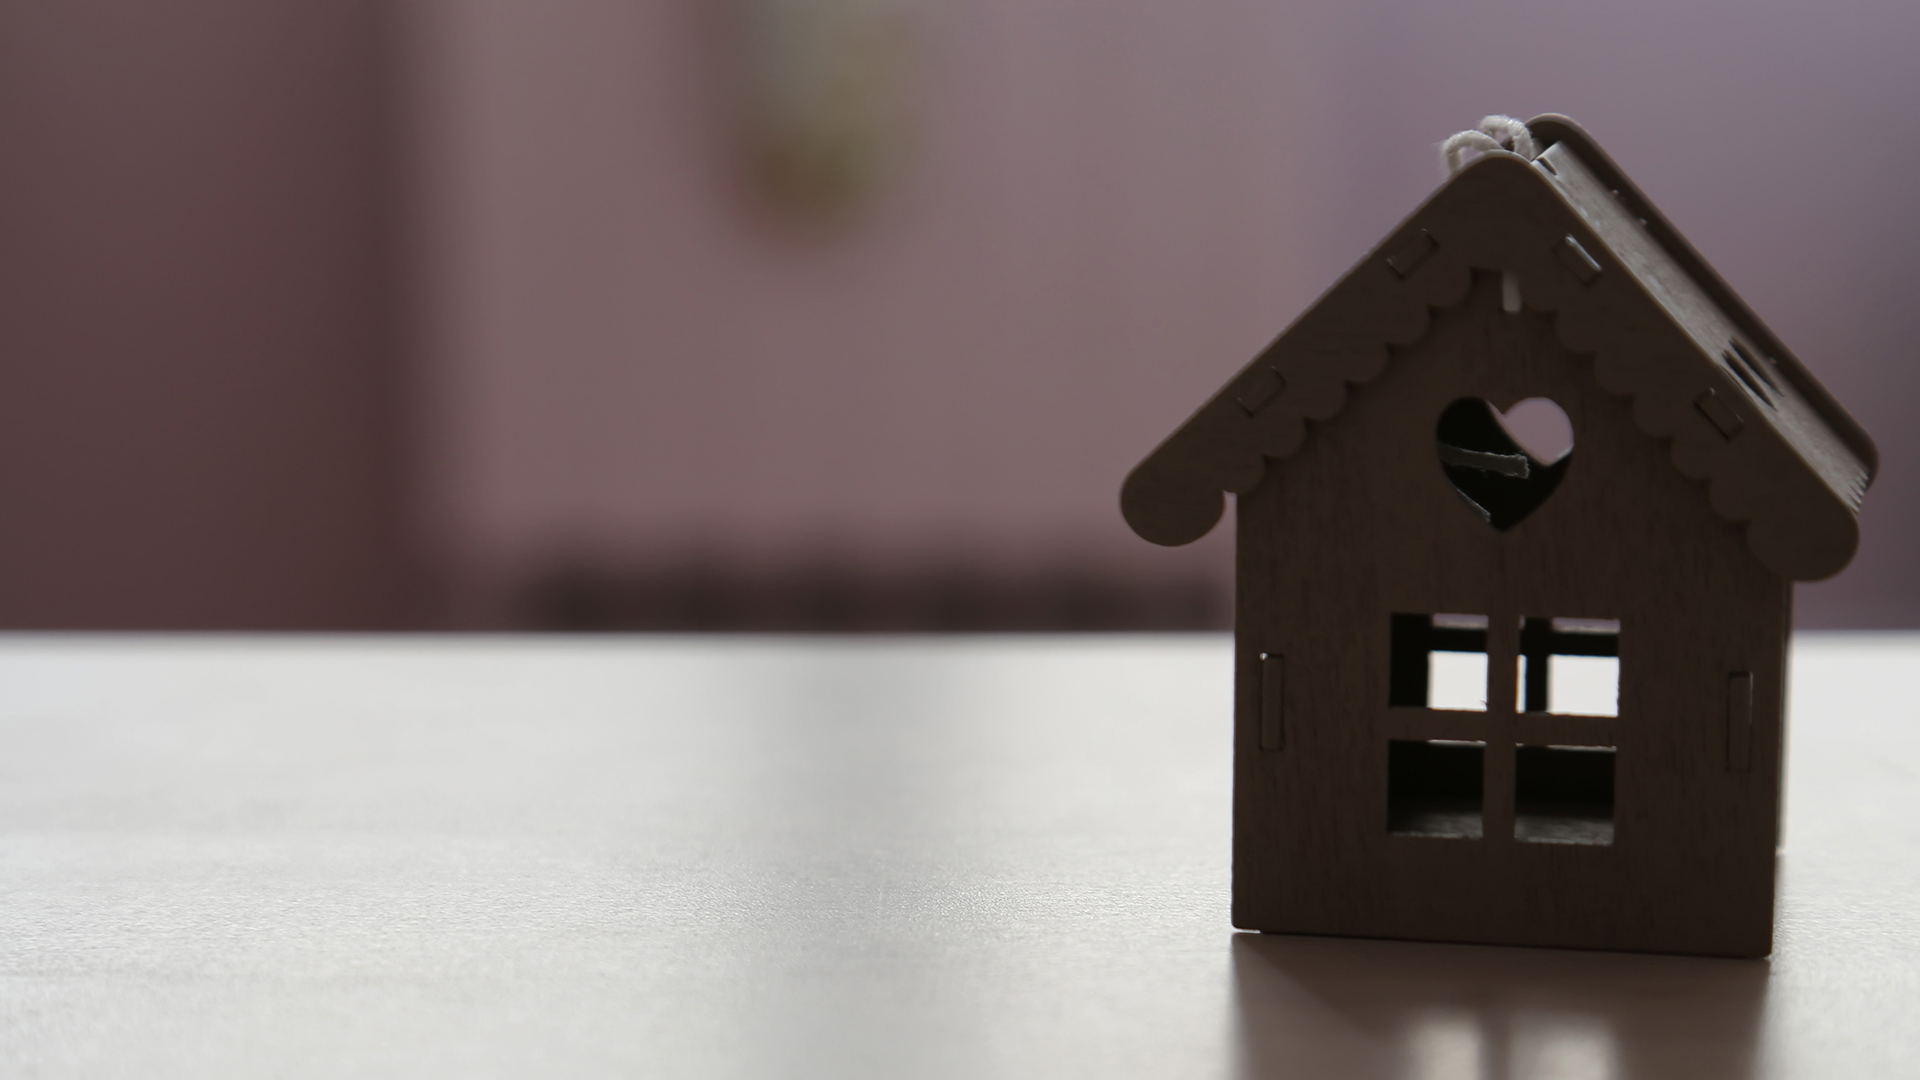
1355	1008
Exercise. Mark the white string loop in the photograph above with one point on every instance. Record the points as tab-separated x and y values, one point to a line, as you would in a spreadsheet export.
1494	133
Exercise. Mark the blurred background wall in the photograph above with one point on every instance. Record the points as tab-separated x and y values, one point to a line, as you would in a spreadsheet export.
804	313
197	348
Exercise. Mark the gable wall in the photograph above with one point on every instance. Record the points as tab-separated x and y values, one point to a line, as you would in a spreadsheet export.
1361	523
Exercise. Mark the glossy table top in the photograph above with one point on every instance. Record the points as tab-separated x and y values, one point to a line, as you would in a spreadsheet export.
928	857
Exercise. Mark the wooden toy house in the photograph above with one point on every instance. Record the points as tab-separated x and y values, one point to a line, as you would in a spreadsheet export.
1496	692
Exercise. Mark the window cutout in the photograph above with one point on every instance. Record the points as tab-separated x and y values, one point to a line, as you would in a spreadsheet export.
1540	428
1563	794
1457	681
1583	685
1570	666
1499	476
1438	662
1433	788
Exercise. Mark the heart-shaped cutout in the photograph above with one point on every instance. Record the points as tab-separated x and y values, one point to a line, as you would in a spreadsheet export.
1504	465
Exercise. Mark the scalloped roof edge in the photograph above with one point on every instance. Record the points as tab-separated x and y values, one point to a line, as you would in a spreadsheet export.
1793	472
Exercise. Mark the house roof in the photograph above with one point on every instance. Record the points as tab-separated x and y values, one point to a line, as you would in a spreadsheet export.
1741	413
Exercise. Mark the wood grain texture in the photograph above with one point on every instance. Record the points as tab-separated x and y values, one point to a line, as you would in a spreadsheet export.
1709	472
1362	523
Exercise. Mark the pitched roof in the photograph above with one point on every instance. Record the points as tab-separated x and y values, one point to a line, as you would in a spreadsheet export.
1742	414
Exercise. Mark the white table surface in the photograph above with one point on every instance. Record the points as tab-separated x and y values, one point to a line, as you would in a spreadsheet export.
937	857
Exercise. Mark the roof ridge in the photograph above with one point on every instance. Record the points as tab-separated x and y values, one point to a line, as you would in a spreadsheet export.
1794	481
1551	128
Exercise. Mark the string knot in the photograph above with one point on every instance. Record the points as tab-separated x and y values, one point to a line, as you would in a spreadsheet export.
1494	133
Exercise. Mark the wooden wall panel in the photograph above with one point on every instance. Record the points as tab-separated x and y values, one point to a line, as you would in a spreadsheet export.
1362	523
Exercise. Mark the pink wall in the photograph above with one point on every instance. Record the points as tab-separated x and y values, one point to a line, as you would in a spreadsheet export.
1115	204
1780	137
194	382
1094	233
226	404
